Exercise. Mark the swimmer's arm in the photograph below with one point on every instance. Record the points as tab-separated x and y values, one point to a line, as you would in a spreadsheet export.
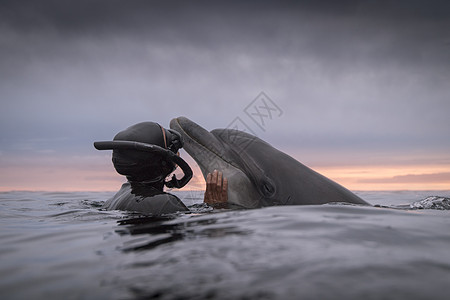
216	194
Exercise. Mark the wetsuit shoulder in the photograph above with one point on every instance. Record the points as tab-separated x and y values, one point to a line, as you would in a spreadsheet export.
147	203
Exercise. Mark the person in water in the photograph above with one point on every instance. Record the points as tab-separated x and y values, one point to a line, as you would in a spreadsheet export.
146	153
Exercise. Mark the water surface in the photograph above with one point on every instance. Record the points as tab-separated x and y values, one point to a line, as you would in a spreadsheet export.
61	245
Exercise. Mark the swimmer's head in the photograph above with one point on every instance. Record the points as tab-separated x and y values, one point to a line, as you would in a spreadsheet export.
133	154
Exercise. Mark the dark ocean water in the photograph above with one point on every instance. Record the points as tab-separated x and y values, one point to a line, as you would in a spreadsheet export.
61	246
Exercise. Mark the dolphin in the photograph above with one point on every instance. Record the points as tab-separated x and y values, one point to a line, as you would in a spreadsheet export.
258	174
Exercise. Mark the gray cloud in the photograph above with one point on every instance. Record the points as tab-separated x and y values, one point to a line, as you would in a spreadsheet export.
358	75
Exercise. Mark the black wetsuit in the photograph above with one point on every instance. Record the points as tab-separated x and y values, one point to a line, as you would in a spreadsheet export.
139	197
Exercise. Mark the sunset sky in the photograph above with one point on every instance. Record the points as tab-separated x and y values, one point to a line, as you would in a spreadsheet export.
362	87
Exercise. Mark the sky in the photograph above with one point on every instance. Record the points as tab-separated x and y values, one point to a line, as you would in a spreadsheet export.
357	90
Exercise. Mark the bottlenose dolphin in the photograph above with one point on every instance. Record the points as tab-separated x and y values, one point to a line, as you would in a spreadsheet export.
258	174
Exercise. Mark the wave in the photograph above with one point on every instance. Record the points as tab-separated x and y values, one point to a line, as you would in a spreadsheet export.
432	202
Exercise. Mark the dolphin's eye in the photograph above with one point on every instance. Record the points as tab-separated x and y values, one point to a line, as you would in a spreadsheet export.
268	189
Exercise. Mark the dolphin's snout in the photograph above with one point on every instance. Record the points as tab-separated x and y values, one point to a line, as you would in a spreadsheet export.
211	154
196	138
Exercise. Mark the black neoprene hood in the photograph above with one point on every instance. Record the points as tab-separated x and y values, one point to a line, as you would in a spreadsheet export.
147	152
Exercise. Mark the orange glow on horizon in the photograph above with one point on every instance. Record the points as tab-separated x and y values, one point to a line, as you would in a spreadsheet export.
96	173
379	178
362	178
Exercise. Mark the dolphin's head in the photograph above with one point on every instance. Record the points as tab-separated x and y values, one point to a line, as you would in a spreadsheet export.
212	151
258	174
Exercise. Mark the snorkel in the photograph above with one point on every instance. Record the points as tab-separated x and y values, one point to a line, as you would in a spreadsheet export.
147	152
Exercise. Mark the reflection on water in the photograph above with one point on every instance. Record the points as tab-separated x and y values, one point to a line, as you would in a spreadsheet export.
61	245
167	229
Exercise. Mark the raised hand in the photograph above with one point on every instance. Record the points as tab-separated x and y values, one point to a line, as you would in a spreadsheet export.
216	194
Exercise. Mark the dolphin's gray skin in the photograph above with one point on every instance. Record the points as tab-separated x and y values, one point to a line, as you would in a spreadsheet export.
258	174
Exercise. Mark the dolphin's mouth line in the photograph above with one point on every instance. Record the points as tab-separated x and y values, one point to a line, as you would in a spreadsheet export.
206	148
